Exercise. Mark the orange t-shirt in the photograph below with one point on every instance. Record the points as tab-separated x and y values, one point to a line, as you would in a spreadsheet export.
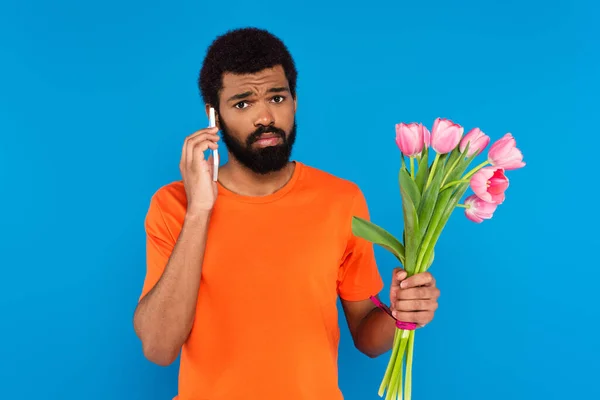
266	324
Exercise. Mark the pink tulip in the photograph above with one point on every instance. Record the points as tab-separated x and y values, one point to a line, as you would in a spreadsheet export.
504	153
410	138
426	136
489	184
477	209
478	140
445	135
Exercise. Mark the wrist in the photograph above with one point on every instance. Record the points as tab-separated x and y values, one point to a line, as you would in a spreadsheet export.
197	216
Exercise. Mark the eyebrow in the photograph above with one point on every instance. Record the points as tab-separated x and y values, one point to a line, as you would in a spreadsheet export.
244	95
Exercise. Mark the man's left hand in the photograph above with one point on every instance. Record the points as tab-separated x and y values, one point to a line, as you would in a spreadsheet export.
413	299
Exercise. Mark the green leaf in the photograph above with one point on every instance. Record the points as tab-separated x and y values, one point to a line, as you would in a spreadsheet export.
447	212
422	171
429	198
453	161
430	259
427	245
379	236
410	186
452	158
460	168
411	231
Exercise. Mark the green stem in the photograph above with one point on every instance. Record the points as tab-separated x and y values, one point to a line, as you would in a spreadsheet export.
396	376
462	205
450	170
431	228
412	167
477	168
391	363
453	183
426	250
433	167
409	362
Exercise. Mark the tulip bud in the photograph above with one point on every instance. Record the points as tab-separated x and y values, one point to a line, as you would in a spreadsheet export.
477	139
504	154
410	138
477	209
445	135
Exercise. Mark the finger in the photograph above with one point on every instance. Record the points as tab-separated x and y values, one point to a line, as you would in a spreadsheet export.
190	142
418	317
198	152
419	293
196	149
416	305
213	138
209	131
423	278
397	276
204	134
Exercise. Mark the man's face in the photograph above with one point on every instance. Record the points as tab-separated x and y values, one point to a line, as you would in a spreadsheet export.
257	119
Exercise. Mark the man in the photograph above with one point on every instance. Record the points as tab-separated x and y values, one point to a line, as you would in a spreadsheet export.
243	274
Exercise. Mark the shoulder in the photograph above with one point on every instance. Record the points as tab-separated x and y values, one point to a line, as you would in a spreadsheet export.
168	202
168	194
337	187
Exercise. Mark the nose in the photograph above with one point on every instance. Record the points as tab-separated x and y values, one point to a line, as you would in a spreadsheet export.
264	116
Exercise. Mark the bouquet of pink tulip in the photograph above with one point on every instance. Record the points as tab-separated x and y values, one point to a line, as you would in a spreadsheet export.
429	196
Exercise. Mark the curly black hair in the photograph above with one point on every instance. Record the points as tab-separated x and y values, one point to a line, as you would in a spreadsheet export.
243	51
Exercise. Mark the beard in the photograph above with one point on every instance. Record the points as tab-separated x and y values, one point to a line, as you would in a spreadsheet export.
260	160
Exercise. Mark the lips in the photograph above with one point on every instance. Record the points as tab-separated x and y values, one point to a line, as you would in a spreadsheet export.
268	136
270	139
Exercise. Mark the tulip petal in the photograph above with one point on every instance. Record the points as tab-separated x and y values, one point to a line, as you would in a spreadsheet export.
477	209
426	136
502	147
472	216
513	160
489	184
409	139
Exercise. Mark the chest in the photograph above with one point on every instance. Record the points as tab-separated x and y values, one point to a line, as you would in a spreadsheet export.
269	249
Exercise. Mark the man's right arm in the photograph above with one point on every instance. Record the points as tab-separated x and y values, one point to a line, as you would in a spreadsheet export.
164	317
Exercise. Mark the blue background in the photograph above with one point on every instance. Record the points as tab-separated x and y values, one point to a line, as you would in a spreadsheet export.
97	97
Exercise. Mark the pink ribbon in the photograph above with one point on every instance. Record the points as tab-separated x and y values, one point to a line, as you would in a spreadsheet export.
409	326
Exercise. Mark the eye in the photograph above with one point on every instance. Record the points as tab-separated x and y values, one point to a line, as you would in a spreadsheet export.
241	103
280	98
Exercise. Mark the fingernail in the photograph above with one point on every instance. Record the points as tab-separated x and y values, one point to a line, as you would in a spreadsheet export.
403	284
394	314
401	275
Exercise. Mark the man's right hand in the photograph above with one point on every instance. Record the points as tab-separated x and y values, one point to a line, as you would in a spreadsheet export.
165	316
197	172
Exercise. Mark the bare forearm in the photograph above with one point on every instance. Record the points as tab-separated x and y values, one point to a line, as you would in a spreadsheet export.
164	317
375	334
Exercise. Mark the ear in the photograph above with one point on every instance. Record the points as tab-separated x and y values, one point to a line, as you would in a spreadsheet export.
295	104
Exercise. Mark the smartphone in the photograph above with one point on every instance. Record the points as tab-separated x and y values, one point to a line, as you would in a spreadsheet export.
212	124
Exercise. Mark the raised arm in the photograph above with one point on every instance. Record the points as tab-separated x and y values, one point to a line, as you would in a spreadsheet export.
164	316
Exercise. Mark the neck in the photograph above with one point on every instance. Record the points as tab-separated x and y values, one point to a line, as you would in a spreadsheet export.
241	180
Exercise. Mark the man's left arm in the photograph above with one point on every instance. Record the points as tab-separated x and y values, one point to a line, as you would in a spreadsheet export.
412	299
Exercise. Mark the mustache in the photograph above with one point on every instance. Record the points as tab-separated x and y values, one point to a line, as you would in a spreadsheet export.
261	130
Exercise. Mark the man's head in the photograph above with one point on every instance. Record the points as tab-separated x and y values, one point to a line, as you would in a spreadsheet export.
249	77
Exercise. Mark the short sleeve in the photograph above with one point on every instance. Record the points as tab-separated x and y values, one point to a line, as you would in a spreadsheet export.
159	245
358	276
